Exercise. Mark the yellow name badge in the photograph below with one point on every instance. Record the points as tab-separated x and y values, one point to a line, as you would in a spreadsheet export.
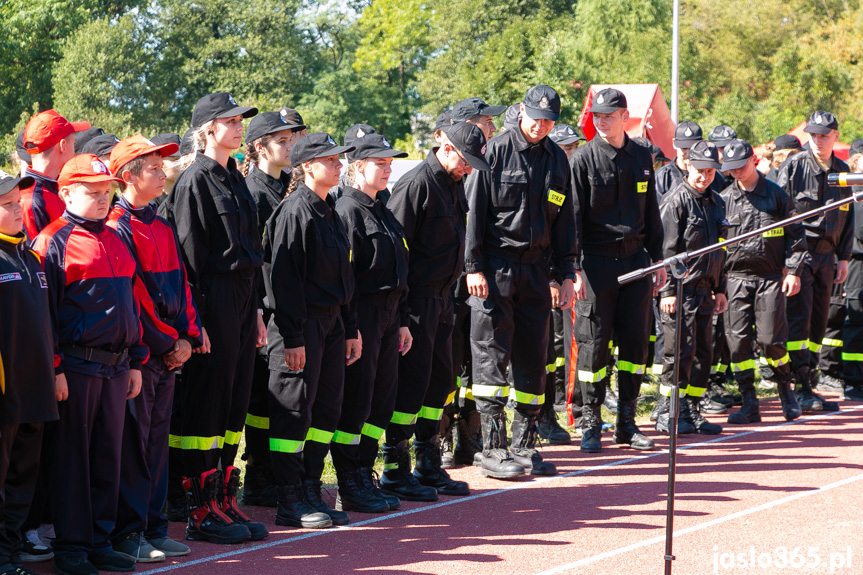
642	187
555	198
845	208
777	233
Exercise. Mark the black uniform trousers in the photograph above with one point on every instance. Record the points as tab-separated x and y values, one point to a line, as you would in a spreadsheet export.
462	360
756	314
807	315
144	464
257	428
831	352
214	396
425	372
696	342
85	472
24	476
511	325
852	334
611	308
721	352
557	366
305	405
658	340
370	384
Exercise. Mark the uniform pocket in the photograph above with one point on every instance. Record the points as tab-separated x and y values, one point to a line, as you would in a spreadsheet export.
585	319
508	192
225	205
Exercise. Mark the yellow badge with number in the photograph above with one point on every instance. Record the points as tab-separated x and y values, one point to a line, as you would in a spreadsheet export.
777	233
642	187
555	198
845	208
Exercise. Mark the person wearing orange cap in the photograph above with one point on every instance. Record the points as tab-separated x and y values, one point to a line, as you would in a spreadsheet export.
141	532
50	139
94	298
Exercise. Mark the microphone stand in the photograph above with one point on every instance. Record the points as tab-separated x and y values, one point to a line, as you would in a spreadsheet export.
676	267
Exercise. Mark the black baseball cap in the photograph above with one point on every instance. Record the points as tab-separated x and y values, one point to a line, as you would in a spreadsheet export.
293	117
373	146
510	118
736	154
101	145
187	144
8	183
219	105
686	134
821	122
542	103
607	101
786	142
470	107
358	131
704	155
856	147
722	135
470	141
23	154
268	123
168	138
316	145
564	134
81	138
443	120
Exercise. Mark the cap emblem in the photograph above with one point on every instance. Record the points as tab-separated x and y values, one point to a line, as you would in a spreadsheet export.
543	103
282	118
730	153
600	99
570	131
231	100
99	167
387	144
360	133
330	141
707	153
688	132
726	132
819	119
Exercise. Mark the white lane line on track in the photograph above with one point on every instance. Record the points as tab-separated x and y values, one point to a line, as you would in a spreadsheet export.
520	485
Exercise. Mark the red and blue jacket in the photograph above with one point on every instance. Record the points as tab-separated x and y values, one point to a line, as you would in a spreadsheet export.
95	296
41	203
153	243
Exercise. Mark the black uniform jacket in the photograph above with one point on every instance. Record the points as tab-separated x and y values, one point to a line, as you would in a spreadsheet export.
766	255
431	209
616	207
522	209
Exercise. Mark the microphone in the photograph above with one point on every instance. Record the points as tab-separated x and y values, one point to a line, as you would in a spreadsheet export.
844	180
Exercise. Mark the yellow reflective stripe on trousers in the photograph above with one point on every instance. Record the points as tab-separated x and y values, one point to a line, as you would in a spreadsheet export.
432	413
832	342
345	438
630	367
852	356
666	390
560	362
778	362
695	391
814	347
257	421
743	365
656	369
192	442
372	431
401	418
286	445
319	435
490	390
391	466
591	377
527	398
797	345
233	437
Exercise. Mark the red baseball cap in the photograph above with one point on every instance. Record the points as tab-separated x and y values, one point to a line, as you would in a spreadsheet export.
46	129
85	169
135	147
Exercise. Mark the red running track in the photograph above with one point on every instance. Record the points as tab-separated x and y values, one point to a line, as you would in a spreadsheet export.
768	498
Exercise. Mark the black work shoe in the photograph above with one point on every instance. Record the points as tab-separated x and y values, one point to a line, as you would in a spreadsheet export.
74	565
112	561
610	402
398	480
689	412
811	401
626	432
853	393
353	495
294	511
468	439
371	482
523	449
551	431
591	429
663	425
790	408
828	382
749	412
661	407
497	462
717	392
711	406
33	553
312	491
429	471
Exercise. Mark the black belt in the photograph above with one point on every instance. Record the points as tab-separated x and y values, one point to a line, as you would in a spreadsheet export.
95	354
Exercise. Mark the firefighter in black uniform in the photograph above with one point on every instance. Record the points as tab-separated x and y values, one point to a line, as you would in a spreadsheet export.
430	205
618	230
757	284
269	140
520	213
692	218
804	178
852	333
312	333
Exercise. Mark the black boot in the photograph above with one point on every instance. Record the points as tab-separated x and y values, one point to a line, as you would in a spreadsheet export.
496	459
176	508
661	407
429	472
718	394
626	432
811	401
354	496
259	485
369	477
689	411
293	509
398	480
749	413
611	401
447	457
711	405
468	445
790	408
206	520
312	491
229	507
550	429
524	431
663	425
591	426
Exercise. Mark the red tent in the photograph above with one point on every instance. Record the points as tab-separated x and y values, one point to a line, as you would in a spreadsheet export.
840	149
649	116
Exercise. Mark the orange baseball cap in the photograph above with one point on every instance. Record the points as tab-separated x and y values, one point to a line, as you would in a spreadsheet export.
46	129
86	169
134	147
